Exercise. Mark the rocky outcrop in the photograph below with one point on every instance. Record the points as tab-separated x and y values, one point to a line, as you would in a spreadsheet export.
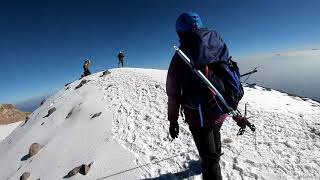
25	176
106	72
96	115
50	111
42	102
83	169
84	81
10	114
34	149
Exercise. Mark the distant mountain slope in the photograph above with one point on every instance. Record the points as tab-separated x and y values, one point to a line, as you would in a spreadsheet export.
118	122
10	114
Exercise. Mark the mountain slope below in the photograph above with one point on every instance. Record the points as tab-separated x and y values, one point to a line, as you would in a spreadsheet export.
10	114
118	123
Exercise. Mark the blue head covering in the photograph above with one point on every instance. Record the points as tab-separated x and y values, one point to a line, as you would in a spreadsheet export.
188	21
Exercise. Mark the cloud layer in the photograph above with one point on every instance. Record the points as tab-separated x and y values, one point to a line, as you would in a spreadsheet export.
295	71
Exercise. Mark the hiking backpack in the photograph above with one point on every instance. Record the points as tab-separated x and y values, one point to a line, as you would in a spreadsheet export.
209	54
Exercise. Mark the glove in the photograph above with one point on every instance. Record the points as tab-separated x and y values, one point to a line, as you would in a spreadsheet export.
241	121
174	129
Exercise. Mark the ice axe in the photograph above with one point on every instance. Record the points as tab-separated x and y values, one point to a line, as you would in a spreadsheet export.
242	121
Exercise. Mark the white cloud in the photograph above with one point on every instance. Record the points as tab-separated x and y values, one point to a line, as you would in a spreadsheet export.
305	53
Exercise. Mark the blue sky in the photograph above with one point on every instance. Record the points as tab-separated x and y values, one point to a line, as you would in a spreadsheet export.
43	43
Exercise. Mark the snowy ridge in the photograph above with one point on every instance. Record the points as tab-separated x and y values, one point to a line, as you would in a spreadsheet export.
141	125
129	140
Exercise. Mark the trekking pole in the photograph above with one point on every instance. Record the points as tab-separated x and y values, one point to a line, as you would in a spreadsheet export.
251	72
233	112
248	74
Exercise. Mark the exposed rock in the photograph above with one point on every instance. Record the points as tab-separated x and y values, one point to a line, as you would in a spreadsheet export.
70	113
50	111
42	102
315	131
96	115
67	86
82	83
10	114
267	89
34	149
73	172
25	176
83	169
106	72
227	140
110	85
25	121
253	85
19	168
147	118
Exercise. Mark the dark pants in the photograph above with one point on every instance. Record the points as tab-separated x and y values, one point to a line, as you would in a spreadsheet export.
208	142
120	62
86	72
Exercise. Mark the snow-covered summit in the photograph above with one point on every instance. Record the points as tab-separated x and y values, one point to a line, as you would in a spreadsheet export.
118	123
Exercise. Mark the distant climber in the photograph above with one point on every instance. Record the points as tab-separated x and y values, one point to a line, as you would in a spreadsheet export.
86	71
202	110
120	58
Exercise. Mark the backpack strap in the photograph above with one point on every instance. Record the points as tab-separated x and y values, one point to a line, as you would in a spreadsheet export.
207	76
201	116
207	71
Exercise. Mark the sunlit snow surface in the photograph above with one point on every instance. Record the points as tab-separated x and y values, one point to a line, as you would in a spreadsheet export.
5	130
129	140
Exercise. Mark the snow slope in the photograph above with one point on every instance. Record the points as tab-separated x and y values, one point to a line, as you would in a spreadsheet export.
5	130
130	140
